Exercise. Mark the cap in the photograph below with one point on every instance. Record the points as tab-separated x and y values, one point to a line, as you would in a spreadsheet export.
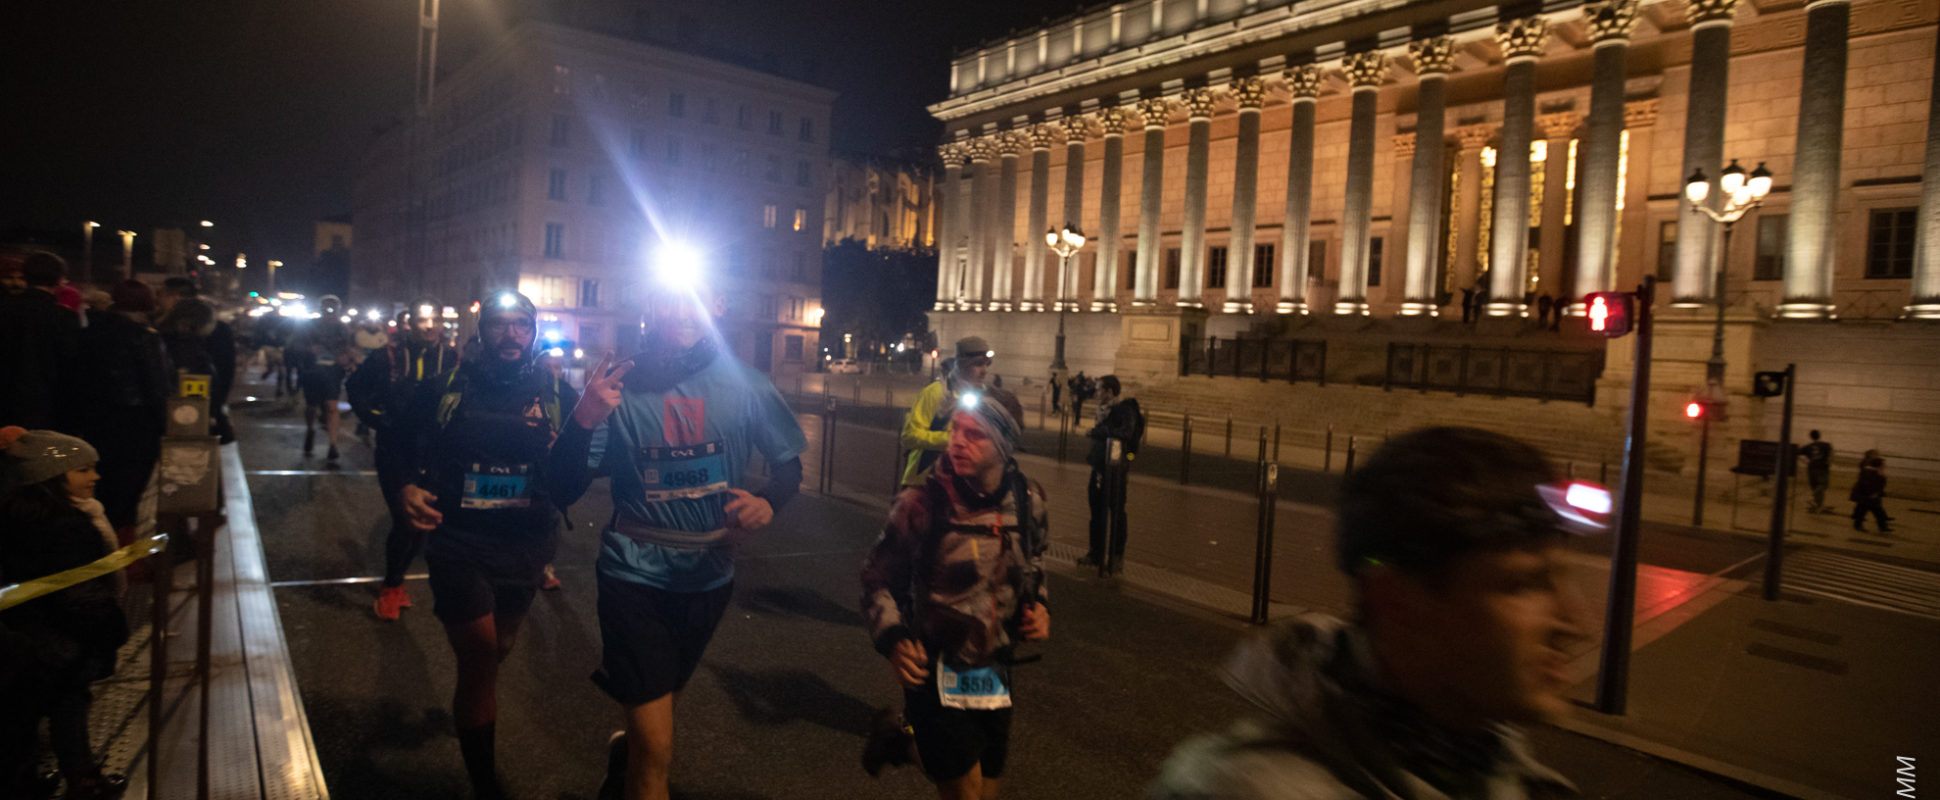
974	347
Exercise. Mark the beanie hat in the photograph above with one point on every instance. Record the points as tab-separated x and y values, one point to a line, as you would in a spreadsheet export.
40	455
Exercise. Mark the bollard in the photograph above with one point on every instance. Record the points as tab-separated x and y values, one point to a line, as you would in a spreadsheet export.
1350	457
1185	452
858	390
1327	460
889	396
1569	470
1603	474
1267	489
828	446
1276	442
1064	435
1229	437
800	379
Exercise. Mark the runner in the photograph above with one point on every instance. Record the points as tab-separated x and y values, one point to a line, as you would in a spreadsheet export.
321	349
955	581
674	428
481	437
926	428
379	391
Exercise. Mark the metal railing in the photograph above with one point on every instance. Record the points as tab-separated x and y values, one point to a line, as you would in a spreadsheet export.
1494	371
1291	360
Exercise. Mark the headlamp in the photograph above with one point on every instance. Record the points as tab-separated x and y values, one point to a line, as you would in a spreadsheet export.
969	400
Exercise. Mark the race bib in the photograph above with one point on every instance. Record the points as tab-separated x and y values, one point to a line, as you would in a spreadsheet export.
980	689
687	472
492	486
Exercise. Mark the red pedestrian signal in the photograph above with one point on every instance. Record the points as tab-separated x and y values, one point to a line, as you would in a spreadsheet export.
1608	312
1694	409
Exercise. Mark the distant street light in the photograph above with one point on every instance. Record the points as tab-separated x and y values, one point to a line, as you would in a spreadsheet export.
1065	243
208	224
273	264
127	253
87	250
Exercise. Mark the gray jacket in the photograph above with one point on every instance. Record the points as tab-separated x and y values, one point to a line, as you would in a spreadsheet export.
1323	734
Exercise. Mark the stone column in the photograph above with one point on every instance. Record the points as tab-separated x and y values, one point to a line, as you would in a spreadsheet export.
981	215
946	249
1041	137
1251	94
1813	228
1076	130
1104	296
1695	281
1522	43
1433	58
1365	72
1558	129
1401	164
1304	83
1598	156
1635	234
1192	237
1467	267
1003	241
1926	260
1152	186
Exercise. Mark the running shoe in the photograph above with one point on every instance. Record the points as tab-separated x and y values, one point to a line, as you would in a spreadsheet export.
614	786
391	600
330	459
551	580
889	743
309	442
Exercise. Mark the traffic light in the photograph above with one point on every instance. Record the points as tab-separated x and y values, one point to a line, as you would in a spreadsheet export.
1694	410
1609	312
1768	384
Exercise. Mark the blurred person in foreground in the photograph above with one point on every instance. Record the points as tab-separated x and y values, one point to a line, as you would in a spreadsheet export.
39	345
1452	538
125	384
675	428
50	523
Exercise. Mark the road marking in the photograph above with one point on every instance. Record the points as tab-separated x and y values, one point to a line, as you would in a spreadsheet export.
1866	582
345	581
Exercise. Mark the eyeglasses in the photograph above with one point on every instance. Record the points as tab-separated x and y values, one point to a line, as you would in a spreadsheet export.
499	326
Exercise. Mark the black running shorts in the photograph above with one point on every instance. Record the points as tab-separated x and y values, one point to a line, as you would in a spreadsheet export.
321	383
651	639
950	741
475	574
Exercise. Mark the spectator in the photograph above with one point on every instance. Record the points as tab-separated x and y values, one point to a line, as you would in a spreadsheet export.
39	344
1543	306
1869	493
1818	470
202	344
125	388
1452	539
1120	419
52	523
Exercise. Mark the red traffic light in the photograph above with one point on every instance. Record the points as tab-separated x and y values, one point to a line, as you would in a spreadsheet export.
1694	409
1609	313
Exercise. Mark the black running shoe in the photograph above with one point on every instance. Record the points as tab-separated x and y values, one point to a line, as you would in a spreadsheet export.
889	742
614	786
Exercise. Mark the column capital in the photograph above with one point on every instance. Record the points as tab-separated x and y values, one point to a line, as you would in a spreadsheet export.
952	153
1199	103
1610	20
1078	128
1404	144
1155	111
1559	125
1474	137
1044	135
1249	91
1366	70
1114	120
1012	143
1702	12
1434	55
1640	113
981	149
1522	39
1304	82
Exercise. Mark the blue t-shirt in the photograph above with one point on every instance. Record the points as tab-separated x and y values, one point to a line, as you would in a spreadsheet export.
672	456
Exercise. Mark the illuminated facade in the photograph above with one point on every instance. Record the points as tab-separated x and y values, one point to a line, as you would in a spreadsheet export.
559	158
1260	167
881	203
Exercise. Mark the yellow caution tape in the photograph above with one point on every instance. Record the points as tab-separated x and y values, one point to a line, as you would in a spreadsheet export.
18	593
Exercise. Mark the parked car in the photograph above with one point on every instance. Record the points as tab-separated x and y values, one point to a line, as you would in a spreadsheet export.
844	366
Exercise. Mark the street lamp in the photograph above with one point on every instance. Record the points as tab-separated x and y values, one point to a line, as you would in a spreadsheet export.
127	253
87	250
208	224
1066	244
1742	193
273	264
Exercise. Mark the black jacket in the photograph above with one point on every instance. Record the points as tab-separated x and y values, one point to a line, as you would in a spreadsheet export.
39	345
1121	423
381	387
124	367
81	624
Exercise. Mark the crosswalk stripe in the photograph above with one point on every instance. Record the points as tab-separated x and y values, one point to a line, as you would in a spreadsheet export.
1868	582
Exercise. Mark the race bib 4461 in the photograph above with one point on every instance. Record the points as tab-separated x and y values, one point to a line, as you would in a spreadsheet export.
490	486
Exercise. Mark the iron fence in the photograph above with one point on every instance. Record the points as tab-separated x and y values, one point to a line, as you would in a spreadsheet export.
1290	360
1494	371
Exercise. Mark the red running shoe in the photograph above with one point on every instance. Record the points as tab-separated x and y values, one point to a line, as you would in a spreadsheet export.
391	600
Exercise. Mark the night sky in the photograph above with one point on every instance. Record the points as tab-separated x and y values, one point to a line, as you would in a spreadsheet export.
253	113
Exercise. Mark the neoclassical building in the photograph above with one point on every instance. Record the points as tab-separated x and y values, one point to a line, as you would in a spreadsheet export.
1333	169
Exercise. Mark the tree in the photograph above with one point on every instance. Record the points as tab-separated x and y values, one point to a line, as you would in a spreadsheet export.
876	296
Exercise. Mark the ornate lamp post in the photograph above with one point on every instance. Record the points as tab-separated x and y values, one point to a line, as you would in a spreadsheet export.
1066	244
1742	194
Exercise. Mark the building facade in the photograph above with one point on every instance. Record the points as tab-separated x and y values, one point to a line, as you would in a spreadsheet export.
560	160
1260	167
881	203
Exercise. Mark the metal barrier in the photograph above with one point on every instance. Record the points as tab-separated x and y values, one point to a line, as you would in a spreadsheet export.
1495	371
1266	492
1291	360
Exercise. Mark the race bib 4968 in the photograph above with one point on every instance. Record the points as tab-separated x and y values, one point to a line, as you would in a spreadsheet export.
692	471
